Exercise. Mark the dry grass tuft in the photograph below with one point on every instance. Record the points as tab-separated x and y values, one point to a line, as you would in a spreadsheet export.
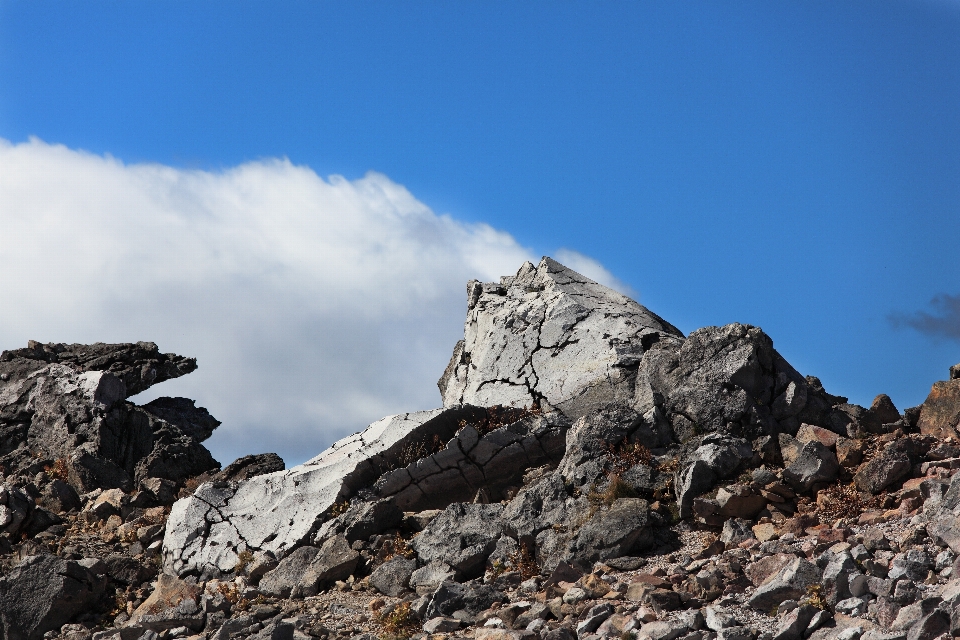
399	622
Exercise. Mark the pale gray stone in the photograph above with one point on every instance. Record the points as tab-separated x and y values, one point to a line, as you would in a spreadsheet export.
551	337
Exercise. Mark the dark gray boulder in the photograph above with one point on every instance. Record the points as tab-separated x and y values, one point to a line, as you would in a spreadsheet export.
281	581
463	536
619	530
249	466
58	496
718	457
882	471
43	593
815	463
307	569
451	597
392	577
729	379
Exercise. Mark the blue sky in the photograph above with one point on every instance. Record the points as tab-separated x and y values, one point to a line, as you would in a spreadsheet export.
793	165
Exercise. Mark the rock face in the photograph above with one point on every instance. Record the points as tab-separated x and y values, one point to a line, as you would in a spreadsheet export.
940	412
583	501
278	511
67	403
551	338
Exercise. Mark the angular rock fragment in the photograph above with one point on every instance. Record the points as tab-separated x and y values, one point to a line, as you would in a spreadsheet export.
392	577
882	471
791	582
617	531
815	463
940	412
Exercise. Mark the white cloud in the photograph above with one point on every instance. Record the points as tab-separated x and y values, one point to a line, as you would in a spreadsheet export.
313	306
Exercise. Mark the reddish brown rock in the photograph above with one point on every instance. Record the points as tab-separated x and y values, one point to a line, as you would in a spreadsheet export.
832	536
849	452
940	413
810	433
883	410
758	572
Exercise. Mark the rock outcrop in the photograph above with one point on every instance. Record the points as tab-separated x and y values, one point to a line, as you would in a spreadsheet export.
593	475
66	405
548	337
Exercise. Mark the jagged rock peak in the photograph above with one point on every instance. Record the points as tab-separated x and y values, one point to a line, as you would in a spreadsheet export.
139	365
550	337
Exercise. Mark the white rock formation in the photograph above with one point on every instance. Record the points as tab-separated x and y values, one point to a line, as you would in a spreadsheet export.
278	511
552	338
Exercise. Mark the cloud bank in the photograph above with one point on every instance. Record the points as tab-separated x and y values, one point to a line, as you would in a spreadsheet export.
314	306
943	323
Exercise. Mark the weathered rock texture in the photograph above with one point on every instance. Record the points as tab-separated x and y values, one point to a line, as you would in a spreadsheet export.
68	403
568	507
279	511
551	338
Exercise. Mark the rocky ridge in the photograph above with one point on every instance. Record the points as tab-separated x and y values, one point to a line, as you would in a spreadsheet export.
592	473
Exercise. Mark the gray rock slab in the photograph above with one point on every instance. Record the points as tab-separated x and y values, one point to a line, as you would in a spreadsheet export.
69	402
549	336
277	511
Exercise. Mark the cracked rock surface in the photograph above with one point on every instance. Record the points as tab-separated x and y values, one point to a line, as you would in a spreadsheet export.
549	337
278	511
626	483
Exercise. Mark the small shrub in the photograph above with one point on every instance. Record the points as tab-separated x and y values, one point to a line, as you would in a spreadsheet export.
395	546
617	489
58	470
524	562
339	508
842	501
622	456
399	622
815	597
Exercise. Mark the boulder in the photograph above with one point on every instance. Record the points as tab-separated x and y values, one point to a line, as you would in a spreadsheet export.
940	412
716	458
307	569
277	511
877	474
552	338
463	537
43	593
58	496
174	603
428	578
69	402
287	575
789	583
451	597
729	379
392	577
815	463
612	532
249	466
